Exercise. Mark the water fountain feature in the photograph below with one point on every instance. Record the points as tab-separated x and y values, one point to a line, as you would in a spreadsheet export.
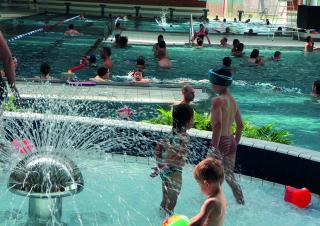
45	178
163	17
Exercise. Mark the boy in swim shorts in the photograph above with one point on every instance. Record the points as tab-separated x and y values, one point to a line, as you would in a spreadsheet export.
225	111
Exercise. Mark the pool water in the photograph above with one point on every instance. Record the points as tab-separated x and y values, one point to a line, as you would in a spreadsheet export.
177	25
267	94
119	191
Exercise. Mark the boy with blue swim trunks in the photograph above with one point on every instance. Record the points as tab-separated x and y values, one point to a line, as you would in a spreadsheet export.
171	155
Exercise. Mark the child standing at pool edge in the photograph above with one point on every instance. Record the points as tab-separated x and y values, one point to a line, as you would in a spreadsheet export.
171	157
225	111
209	175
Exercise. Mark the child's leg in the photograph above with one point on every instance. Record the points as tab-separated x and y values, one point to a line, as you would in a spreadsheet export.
174	189
165	185
228	163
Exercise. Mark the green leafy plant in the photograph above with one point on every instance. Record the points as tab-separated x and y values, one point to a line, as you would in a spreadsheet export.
8	105
250	130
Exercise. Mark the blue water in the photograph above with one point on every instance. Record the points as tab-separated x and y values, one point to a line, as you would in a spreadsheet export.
275	93
119	191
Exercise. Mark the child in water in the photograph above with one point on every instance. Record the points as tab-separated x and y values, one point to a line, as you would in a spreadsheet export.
170	154
209	175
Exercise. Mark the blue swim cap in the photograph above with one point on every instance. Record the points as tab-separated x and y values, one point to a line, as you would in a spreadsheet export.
220	76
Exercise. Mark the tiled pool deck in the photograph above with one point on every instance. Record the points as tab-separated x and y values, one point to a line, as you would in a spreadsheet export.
181	39
115	93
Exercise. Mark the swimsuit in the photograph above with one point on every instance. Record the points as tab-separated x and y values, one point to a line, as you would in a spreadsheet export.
227	145
168	171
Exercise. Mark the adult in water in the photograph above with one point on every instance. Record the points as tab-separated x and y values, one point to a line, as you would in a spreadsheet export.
9	71
105	55
224	112
103	75
309	45
71	31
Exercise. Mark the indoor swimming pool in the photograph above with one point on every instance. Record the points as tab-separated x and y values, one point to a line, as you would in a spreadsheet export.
119	191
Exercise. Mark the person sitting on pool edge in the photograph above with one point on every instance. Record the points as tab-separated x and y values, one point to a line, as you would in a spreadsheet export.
309	45
71	31
138	77
105	55
103	75
163	62
316	89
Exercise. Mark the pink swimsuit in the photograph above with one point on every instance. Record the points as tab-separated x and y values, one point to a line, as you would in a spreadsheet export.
227	145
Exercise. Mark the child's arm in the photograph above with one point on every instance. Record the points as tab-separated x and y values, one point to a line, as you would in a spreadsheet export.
158	152
210	207
239	126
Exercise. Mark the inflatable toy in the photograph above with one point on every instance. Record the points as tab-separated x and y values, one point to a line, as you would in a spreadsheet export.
176	220
125	113
298	197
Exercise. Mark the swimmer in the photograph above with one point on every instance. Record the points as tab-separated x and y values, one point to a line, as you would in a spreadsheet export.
250	32
235	43
224	42
255	58
103	74
155	48
164	62
138	77
309	45
238	52
123	42
226	64
45	70
316	89
71	31
276	56
161	47
199	43
217	18
140	63
105	55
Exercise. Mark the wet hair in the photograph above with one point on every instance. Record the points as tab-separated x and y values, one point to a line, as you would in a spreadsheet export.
181	116
277	53
45	68
209	169
186	88
279	29
162	44
308	39
235	42
201	25
316	85
254	53
117	24
102	71
71	26
240	47
250	31
200	41
140	60
227	61
123	41
106	50
227	29
234	19
224	39
160	38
